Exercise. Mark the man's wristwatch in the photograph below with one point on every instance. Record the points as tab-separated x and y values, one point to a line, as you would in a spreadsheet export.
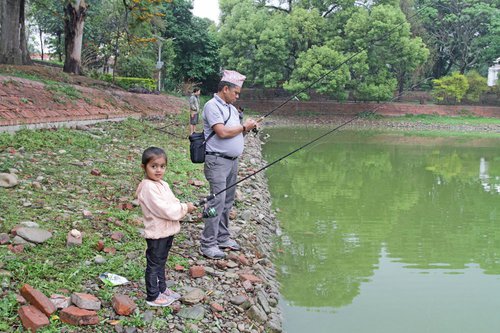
244	129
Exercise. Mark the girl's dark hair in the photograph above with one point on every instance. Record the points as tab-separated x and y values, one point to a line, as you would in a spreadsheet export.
151	153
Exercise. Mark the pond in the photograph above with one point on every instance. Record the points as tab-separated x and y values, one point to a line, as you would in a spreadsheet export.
387	232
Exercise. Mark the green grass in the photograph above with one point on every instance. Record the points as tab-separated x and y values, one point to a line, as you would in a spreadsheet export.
61	162
458	120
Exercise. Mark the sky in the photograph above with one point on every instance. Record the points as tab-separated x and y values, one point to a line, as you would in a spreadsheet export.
207	8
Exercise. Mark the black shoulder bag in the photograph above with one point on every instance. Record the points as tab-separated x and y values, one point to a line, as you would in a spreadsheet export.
198	143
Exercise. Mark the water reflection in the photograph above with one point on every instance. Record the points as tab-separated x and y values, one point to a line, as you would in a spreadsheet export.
349	203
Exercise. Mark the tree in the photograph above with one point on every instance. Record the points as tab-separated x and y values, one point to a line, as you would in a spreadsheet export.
13	43
74	19
459	32
321	65
195	44
392	53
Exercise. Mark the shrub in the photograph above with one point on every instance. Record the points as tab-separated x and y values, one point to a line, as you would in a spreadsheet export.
131	82
478	85
451	88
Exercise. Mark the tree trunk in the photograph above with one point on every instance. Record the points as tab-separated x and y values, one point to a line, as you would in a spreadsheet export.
13	44
41	42
73	28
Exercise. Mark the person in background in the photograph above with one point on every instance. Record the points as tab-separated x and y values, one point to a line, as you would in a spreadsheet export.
240	114
194	107
221	162
162	212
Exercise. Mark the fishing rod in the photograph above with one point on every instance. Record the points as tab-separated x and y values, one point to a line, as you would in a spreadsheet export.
211	212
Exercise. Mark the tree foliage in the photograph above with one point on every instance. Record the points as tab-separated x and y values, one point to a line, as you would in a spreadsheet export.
294	44
462	34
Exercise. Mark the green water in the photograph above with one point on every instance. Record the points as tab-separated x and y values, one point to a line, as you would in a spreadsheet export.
387	232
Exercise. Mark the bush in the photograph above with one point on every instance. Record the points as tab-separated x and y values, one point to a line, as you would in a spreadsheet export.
451	88
478	85
130	82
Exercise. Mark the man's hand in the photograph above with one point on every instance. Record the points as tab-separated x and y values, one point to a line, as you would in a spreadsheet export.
250	124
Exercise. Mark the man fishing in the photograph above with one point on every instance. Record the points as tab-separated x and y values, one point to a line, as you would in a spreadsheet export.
221	162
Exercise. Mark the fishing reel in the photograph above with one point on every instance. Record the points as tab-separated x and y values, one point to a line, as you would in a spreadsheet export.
207	211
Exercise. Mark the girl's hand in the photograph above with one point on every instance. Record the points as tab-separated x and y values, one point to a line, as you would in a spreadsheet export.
191	207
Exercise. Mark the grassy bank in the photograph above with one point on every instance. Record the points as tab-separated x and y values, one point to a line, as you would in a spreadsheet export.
57	184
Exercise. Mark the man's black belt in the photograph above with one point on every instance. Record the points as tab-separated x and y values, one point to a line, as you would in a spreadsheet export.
221	155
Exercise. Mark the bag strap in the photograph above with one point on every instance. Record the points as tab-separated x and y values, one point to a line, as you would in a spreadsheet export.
225	122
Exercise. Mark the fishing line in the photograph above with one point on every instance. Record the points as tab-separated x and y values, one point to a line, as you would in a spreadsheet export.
211	211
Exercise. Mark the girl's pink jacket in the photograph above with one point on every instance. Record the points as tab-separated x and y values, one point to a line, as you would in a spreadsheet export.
161	209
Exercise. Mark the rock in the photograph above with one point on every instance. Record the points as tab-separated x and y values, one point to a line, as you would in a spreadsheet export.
60	301
255	313
246	215
20	240
238	299
86	301
274	325
76	316
117	236
29	224
87	214
34	235
4	238
8	180
262	299
196	271
148	316
32	318
123	305
194	296
72	240
247	285
196	312
38	299
75	233
99	259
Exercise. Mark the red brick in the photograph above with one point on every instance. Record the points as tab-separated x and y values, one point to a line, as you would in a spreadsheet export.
197	271
123	304
100	245
250	277
243	260
76	316
38	299
32	318
216	307
16	248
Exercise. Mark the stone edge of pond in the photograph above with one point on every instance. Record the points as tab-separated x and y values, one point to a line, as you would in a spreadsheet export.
263	225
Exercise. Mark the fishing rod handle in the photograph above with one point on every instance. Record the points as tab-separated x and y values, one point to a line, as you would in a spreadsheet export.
204	200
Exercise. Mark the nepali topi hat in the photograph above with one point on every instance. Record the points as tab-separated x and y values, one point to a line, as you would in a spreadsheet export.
233	77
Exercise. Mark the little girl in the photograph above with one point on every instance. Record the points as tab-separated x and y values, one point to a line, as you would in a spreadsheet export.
162	212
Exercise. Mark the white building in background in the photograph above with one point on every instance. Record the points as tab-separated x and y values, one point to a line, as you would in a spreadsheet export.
493	72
